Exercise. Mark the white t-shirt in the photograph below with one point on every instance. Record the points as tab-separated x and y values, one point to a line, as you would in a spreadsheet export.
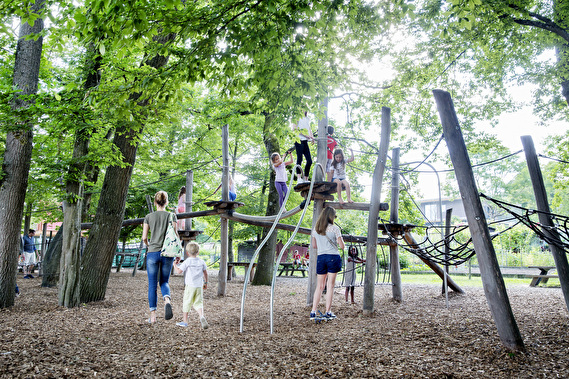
303	127
193	271
281	175
324	243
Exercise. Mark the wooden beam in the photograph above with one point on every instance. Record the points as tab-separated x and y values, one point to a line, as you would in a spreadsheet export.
397	289
494	287
545	219
378	172
355	206
432	265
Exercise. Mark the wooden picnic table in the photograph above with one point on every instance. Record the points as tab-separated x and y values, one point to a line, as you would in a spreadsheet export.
230	266
286	267
543	275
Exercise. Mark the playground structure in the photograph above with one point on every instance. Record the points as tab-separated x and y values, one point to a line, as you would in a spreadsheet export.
494	287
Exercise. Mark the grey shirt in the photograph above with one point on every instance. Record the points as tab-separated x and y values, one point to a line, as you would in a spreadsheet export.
157	223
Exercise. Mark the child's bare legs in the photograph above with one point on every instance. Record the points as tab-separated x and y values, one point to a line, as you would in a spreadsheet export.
152	318
347	290
330	292
185	317
320	281
347	184
339	190
351	295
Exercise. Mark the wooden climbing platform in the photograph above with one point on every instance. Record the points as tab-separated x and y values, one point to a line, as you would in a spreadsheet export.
189	235
320	191
224	205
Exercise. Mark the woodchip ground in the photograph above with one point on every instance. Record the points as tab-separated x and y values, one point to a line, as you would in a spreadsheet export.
419	338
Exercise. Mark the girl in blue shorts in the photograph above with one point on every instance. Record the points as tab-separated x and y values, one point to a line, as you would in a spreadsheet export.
326	238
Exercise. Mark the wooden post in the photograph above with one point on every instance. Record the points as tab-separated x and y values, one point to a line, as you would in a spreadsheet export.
372	224
494	287
321	158
544	218
222	277
447	247
189	194
397	290
43	246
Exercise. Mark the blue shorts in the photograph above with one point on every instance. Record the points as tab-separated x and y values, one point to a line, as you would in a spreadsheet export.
328	263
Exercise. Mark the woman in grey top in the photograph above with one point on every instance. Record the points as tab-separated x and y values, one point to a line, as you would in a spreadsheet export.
158	267
326	238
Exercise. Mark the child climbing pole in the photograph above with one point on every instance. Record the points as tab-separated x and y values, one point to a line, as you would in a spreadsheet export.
281	175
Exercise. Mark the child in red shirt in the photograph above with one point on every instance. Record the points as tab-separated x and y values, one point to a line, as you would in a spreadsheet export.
331	145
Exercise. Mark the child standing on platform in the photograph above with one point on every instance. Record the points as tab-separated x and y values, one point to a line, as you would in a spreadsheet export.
195	279
331	145
302	149
339	174
350	271
281	175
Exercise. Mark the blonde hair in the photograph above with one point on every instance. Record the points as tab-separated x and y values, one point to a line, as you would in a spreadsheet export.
326	217
192	249
161	198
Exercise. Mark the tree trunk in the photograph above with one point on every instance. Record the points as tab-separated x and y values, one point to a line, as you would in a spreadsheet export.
101	246
71	252
562	50
51	260
17	156
104	235
69	280
265	264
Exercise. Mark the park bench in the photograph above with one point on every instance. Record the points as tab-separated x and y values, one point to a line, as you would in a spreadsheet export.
230	266
542	277
288	268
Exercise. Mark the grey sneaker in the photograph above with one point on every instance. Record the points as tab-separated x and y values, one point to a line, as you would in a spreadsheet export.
204	323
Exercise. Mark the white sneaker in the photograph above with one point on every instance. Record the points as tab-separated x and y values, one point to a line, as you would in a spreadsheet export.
204	323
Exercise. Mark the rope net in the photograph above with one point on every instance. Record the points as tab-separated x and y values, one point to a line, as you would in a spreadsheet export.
557	235
454	249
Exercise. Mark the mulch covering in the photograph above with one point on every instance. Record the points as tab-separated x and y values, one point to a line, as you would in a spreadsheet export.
418	338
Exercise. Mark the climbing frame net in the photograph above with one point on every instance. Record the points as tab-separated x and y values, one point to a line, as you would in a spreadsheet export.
557	235
454	249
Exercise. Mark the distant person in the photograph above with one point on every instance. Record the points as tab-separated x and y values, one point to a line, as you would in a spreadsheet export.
29	254
326	239
158	268
232	189
301	146
195	279
350	271
181	206
331	145
281	175
339	174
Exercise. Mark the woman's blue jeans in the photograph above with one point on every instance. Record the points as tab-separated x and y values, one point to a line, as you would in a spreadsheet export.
158	269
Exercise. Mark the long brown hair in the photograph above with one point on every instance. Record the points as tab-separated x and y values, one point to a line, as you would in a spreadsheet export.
335	163
182	191
326	217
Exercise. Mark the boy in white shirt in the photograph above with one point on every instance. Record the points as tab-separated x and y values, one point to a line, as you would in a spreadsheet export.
195	279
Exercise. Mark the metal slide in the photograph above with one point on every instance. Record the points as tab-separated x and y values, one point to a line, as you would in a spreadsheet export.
277	218
285	246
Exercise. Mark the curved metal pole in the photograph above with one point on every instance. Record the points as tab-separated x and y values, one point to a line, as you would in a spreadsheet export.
318	165
256	253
